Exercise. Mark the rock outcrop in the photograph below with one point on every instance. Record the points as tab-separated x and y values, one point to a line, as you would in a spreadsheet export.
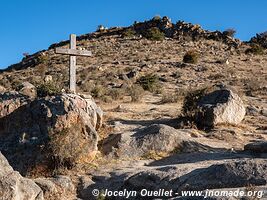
48	133
228	175
256	147
59	187
28	89
11	101
13	186
156	138
260	39
220	106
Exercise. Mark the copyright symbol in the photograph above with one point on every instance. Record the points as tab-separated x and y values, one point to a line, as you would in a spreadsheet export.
95	192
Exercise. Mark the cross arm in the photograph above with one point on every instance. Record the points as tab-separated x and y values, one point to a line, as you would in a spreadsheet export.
73	52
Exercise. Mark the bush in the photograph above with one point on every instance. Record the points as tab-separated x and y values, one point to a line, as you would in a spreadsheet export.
116	93
98	91
129	33
154	34
100	28
135	92
190	101
48	89
191	57
67	147
156	18
230	32
173	97
255	49
149	82
43	59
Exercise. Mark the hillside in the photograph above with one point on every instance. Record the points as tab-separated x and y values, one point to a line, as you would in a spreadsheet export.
141	79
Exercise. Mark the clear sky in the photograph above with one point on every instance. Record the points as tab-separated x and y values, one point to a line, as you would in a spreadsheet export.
32	25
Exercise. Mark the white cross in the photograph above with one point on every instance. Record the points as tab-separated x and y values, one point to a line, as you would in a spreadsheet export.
73	52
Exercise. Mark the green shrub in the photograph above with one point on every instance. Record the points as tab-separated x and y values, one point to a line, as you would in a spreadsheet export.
135	92
230	32
154	34
116	93
191	57
43	59
129	33
255	49
190	101
172	97
156	18
150	82
98	91
48	89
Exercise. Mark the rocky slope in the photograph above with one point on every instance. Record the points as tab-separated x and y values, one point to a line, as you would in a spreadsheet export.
164	126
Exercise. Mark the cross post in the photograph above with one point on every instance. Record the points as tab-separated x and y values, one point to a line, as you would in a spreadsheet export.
72	52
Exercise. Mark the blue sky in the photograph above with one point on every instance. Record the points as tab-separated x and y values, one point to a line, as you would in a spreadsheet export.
32	25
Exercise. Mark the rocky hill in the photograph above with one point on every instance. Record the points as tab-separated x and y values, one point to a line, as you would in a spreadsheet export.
160	105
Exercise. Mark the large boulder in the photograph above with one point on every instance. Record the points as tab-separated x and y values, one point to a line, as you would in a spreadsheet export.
227	175
11	101
13	186
233	174
48	133
220	106
155	139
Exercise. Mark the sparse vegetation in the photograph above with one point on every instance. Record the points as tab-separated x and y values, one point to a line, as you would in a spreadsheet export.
255	49
43	59
191	57
190	101
100	28
172	97
156	18
116	93
48	89
67	147
135	92
129	33
98	91
230	32
155	155
150	82
153	34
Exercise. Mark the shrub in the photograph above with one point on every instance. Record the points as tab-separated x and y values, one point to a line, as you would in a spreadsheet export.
154	34
149	82
129	33
43	59
67	147
156	18
191	57
230	32
48	89
98	91
135	92
116	93
172	97
100	28
255	49
190	101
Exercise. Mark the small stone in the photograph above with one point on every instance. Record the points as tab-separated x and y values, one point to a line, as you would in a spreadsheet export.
48	79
